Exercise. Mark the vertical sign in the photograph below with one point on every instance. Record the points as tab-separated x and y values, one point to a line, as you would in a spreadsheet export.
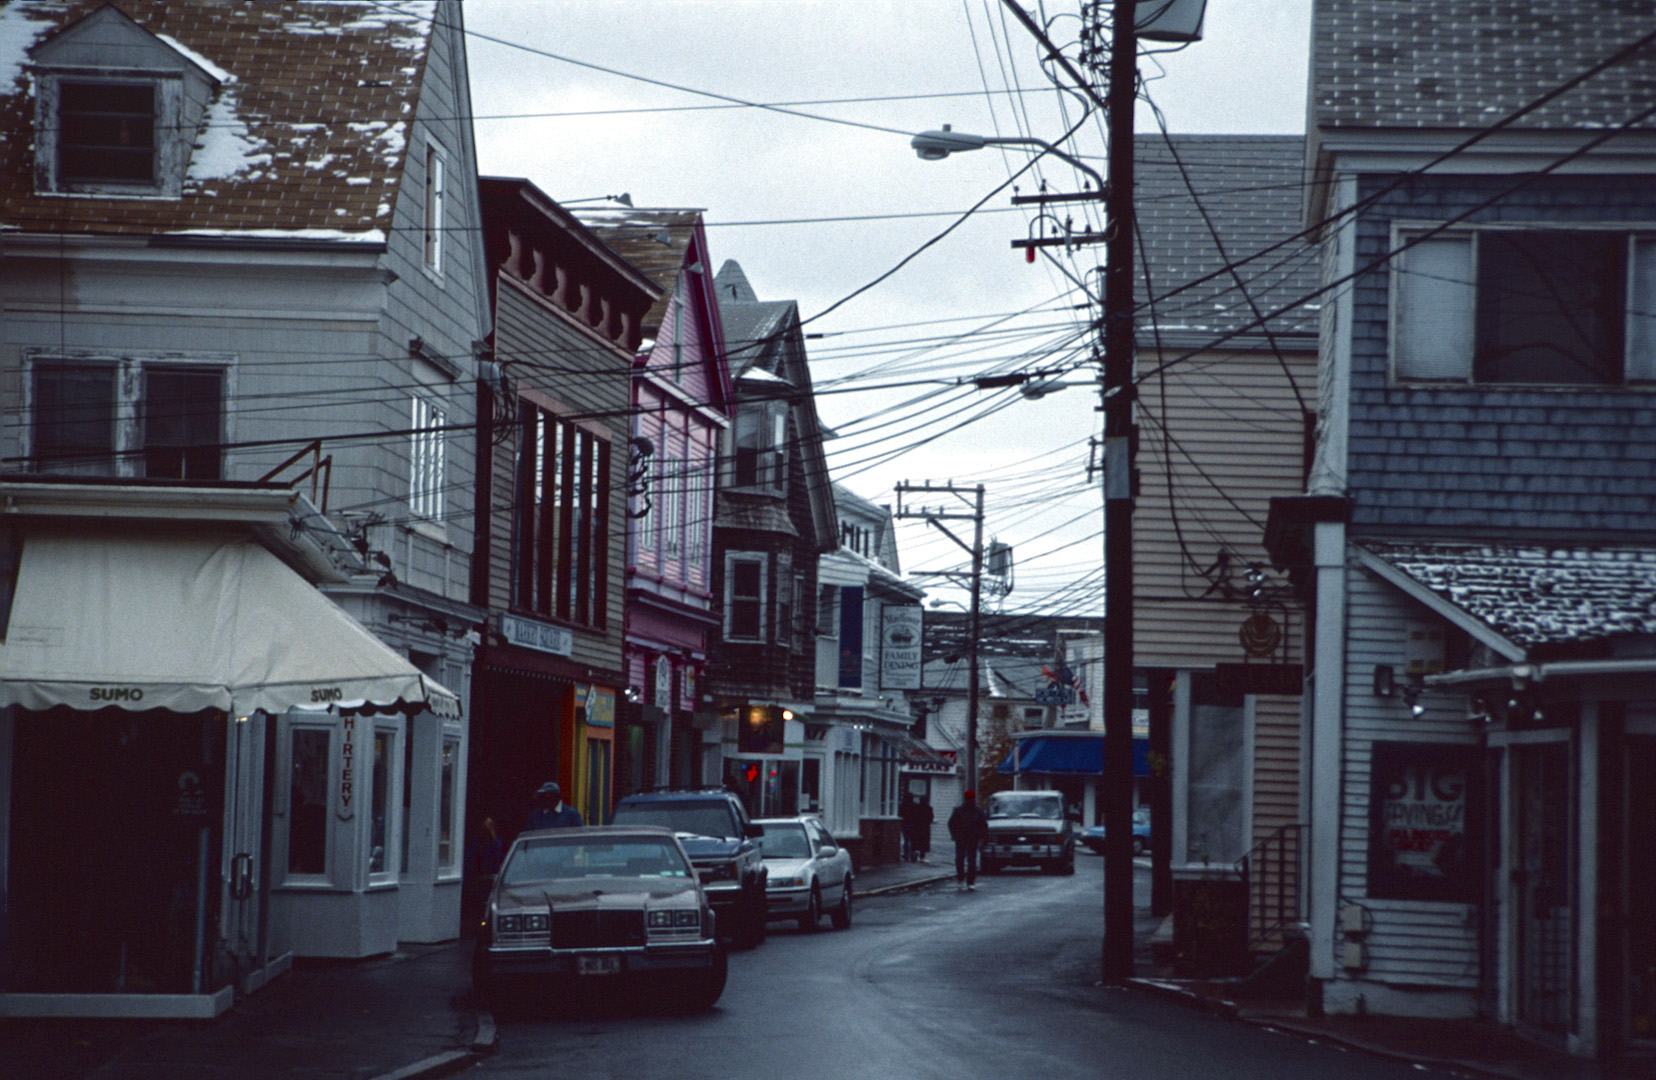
347	767
900	626
851	637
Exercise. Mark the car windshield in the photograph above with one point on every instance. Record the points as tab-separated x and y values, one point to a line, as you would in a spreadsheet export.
702	817
785	841
556	858
1022	804
1141	816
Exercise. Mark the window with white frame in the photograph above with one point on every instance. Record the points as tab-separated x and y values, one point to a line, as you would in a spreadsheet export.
434	207
308	760
671	494
744	616
699	494
448	807
425	461
382	804
1526	306
127	417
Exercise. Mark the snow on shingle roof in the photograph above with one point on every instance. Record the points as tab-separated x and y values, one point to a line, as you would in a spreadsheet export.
1252	188
1535	595
304	138
1465	63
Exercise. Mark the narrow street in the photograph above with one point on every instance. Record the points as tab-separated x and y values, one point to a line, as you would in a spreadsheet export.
998	982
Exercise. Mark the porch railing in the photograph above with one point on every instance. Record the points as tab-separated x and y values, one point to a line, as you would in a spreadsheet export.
1271	876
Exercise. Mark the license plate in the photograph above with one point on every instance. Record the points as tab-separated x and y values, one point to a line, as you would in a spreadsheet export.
597	965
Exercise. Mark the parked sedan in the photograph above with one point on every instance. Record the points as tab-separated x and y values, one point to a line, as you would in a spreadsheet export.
600	906
1093	838
809	872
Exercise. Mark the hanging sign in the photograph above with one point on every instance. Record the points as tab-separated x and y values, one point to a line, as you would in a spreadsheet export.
900	628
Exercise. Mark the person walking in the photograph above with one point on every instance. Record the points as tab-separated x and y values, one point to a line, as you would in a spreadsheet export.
907	817
967	828
550	811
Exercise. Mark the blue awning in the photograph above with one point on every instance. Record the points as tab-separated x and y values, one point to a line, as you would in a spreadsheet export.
1071	756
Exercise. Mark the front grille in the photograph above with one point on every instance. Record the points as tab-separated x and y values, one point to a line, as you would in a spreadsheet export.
597	929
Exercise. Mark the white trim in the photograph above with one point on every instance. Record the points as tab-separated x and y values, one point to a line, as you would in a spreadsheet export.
1584	1039
1452	613
1326	751
763	560
1180	749
121	1006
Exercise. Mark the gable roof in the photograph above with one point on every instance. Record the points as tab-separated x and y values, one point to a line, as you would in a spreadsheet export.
304	138
1252	189
1466	63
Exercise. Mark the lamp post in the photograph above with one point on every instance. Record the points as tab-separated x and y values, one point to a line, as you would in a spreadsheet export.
1117	327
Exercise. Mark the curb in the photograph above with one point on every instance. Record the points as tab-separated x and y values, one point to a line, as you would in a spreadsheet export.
1225	1010
904	886
445	1064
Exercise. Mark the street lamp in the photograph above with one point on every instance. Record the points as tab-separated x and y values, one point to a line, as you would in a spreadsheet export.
937	145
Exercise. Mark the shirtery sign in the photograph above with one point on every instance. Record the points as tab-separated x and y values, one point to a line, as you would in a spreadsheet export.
347	767
900	632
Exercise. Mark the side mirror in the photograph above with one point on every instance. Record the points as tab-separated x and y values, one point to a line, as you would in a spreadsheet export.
753	831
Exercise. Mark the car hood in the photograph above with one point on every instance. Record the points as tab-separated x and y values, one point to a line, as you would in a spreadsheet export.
708	848
781	868
593	893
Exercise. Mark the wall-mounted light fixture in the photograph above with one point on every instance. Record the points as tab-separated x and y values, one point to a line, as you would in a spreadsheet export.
1385	680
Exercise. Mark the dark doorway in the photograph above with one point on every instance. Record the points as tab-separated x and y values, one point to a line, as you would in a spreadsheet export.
111	812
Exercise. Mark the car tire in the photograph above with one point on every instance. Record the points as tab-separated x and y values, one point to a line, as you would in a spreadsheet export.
1067	867
841	916
697	991
1138	845
813	911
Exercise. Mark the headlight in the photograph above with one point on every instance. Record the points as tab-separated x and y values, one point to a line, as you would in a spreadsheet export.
786	882
725	871
509	924
673	919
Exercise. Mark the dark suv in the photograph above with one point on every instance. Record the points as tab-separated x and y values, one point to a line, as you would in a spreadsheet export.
723	845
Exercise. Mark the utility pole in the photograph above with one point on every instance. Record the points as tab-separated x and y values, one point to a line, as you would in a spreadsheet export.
1119	438
935	516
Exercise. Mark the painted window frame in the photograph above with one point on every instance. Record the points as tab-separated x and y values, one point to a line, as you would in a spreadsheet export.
289	726
170	143
1451	317
385	799
758	458
434	209
130	387
761	560
427	458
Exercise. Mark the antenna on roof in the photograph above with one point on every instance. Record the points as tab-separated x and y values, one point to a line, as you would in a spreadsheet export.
624	199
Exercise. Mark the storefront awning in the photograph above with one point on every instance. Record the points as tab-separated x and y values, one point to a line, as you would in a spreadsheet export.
186	623
915	755
1070	755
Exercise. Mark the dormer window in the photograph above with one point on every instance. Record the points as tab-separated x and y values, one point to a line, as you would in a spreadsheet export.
117	110
106	132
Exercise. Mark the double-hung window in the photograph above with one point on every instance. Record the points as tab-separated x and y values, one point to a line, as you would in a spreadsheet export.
106	132
435	196
127	417
1526	306
745	595
759	446
426	467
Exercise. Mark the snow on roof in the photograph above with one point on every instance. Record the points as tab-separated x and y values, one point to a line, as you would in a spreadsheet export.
1536	595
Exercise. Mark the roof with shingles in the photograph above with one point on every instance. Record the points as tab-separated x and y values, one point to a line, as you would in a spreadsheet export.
305	138
1251	187
655	241
1463	64
1534	595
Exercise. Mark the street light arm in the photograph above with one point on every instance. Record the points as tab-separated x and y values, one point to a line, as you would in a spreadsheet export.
937	145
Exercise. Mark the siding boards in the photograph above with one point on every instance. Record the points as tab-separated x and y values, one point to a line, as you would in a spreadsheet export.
1415	942
1237	439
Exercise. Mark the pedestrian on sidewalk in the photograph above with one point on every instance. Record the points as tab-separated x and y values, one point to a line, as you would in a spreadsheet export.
550	811
967	828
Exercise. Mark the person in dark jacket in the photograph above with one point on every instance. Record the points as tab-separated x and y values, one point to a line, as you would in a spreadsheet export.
550	811
967	828
923	819
906	815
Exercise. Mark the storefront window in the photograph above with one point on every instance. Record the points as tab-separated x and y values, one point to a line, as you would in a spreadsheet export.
380	801
445	808
308	802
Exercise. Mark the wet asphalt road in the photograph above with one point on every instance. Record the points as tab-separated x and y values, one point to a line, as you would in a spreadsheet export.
997	983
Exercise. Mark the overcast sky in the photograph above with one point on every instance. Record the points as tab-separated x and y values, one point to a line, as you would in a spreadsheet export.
884	366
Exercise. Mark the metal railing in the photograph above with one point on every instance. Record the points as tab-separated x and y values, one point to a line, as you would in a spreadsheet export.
1271	877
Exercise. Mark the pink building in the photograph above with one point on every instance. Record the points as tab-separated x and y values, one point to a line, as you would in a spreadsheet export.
681	396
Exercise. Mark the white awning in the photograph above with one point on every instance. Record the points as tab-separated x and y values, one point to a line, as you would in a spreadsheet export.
150	620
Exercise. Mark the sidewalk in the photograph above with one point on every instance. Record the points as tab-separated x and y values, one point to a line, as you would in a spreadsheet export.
1472	1047
322	1021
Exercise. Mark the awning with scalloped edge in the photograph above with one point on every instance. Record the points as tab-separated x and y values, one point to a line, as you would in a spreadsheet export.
150	620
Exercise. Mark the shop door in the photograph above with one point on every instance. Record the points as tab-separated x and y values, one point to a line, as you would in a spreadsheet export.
597	810
1541	885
